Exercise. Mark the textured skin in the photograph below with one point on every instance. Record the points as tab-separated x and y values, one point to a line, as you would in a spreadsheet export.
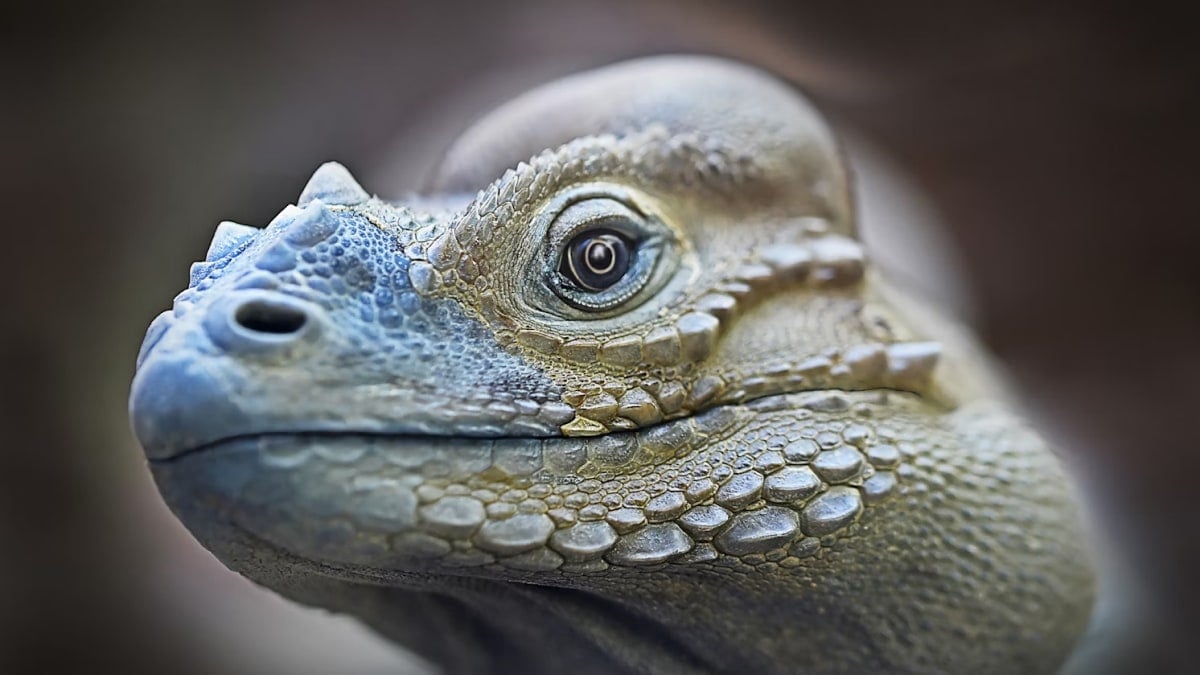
764	460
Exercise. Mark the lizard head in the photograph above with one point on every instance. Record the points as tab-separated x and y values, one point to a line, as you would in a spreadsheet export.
565	365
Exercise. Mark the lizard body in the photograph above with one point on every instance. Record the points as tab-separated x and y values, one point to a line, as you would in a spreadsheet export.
623	394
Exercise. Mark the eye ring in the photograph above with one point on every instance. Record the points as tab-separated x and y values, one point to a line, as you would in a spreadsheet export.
597	259
546	287
600	253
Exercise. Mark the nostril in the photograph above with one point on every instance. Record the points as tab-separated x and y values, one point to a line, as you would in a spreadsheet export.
258	321
268	317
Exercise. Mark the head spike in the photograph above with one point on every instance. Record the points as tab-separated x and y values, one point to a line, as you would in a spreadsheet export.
333	184
229	236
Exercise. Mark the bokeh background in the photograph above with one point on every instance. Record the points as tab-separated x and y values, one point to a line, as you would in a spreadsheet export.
1056	142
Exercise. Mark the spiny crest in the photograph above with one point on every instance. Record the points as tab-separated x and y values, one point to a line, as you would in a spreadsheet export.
333	184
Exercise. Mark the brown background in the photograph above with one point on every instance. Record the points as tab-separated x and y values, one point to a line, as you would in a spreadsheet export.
1057	141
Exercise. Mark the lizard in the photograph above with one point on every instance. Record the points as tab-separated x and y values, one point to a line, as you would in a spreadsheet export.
619	392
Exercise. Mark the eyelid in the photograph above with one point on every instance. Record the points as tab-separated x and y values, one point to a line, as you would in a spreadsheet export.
596	213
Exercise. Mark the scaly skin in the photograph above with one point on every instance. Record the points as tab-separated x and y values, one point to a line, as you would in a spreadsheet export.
757	458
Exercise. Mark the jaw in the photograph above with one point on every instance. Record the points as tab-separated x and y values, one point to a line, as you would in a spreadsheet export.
348	522
365	504
396	529
327	520
382	505
469	624
682	493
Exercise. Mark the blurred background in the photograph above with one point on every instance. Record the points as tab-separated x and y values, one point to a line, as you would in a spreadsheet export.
1056	142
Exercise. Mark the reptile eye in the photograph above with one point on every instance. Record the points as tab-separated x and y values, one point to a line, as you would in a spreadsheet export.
596	260
601	253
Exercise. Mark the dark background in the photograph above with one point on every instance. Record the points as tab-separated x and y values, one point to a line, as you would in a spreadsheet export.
1057	141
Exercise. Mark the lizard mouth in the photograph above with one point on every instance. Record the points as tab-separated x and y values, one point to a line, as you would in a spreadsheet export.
678	491
280	443
517	457
375	502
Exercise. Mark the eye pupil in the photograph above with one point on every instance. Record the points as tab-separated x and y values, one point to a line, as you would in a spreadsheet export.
600	256
596	260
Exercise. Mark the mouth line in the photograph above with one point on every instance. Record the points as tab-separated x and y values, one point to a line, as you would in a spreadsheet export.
762	404
340	434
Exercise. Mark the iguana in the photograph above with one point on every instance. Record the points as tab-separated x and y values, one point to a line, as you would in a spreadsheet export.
620	394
